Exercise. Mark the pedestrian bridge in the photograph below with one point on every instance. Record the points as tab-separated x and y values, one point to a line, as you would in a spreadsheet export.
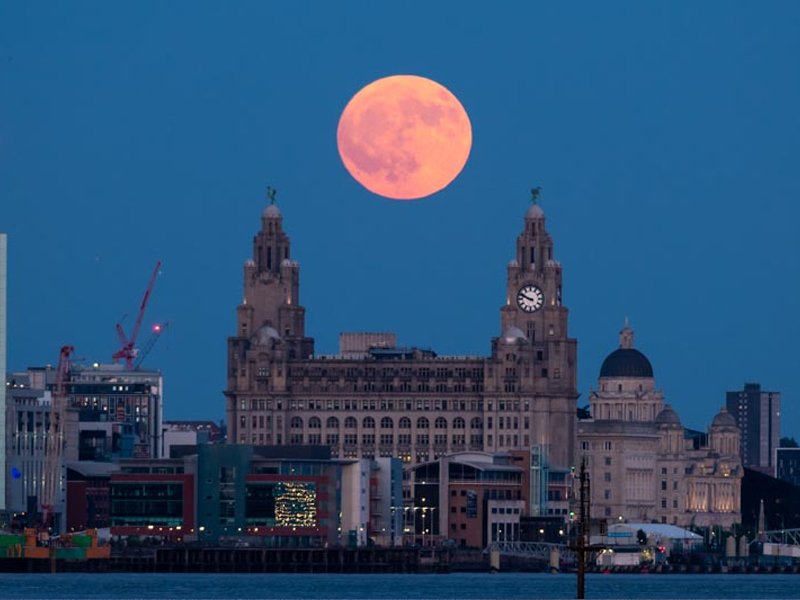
533	550
783	536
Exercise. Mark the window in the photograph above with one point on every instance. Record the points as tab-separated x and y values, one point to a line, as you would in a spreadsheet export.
315	423
476	423
458	423
405	423
332	423
350	423
663	485
387	423
606	445
422	423
607	477
608	461
584	445
368	423
440	423
296	423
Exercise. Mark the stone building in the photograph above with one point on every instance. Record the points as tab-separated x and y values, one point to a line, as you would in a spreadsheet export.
377	399
644	466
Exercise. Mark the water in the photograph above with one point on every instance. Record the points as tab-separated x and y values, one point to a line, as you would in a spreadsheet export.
457	585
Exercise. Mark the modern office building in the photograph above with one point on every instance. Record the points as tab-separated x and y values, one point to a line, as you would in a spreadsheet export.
112	414
643	465
28	411
374	399
471	498
120	411
273	496
3	303
758	415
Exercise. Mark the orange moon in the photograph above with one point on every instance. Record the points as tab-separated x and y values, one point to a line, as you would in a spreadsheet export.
404	137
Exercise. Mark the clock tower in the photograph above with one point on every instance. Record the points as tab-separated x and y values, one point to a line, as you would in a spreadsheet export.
534	361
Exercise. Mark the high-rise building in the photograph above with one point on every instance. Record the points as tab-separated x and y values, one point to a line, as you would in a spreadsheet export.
3	258
377	399
758	415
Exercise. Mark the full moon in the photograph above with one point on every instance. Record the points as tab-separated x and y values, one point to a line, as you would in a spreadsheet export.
404	137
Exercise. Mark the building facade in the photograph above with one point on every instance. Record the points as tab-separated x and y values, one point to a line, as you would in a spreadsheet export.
758	415
112	414
644	466
375	399
472	498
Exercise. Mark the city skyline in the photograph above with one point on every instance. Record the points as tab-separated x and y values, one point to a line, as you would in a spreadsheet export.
664	140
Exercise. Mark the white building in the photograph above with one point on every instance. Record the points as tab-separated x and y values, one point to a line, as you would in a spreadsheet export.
644	465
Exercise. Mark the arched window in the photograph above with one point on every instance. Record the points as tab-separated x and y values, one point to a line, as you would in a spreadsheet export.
332	423
440	423
314	423
405	423
386	423
422	423
458	423
476	423
350	423
368	423
296	423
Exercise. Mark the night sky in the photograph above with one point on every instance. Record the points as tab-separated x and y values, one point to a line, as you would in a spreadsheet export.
665	137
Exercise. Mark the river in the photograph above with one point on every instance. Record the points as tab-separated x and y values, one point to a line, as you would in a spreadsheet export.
457	585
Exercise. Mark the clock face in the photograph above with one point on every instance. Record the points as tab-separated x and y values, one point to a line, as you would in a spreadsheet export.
530	298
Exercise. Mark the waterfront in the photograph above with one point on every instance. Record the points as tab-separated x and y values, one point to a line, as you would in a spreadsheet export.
461	585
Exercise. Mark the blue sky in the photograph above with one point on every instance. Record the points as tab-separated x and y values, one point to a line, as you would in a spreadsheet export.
665	137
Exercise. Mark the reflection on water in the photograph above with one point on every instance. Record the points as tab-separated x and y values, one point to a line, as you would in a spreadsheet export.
457	585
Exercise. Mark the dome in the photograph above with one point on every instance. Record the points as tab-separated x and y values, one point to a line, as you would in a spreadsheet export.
724	419
534	212
626	362
272	212
512	334
668	417
265	336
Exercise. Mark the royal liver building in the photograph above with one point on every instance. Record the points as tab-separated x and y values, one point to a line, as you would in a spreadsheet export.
377	399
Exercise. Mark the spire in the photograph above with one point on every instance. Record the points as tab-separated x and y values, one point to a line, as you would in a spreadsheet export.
626	335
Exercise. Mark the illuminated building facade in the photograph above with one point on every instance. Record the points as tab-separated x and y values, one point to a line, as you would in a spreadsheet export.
644	466
375	399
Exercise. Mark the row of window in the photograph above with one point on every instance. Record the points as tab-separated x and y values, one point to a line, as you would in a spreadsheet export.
385	422
386	404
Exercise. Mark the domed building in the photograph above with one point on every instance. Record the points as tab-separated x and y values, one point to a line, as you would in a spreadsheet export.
644	465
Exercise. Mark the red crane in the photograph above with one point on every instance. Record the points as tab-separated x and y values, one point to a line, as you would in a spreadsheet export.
127	351
56	438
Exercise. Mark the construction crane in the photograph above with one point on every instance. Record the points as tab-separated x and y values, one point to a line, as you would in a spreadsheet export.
128	351
56	438
148	345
